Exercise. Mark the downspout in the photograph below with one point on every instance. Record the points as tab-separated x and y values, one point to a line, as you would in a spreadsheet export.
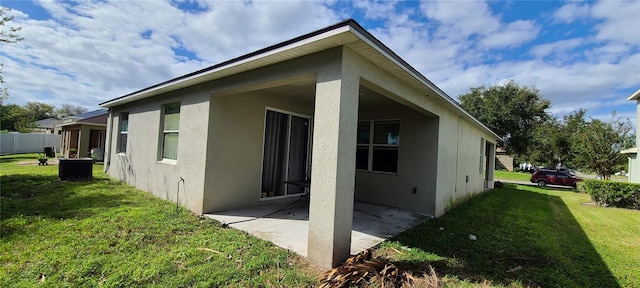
108	145
457	153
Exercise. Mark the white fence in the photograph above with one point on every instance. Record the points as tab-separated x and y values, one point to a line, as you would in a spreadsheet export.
13	143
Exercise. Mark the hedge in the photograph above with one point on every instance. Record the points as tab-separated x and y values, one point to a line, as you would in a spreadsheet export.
612	194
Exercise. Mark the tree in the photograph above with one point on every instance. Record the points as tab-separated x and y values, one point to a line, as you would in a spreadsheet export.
7	35
18	118
509	110
15	118
545	143
39	111
597	145
69	110
553	140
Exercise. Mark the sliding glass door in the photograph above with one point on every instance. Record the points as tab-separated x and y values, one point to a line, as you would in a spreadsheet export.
285	163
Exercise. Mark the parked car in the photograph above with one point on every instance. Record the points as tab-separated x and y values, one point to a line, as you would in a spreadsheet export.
559	169
554	177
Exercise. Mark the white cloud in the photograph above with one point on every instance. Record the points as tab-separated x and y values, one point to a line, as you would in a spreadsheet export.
571	12
557	49
461	20
232	28
464	18
513	34
376	9
93	51
621	22
90	52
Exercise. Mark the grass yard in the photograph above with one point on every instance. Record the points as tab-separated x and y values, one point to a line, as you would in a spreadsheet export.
101	232
526	236
104	233
506	175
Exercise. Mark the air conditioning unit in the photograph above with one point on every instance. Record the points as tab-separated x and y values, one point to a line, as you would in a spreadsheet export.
75	168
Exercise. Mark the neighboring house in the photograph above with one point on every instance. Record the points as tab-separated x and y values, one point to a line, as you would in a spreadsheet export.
334	113
46	126
82	133
634	162
504	159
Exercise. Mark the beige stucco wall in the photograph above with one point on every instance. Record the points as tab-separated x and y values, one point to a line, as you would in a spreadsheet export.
458	149
506	161
634	162
417	159
234	172
459	152
223	171
141	165
238	107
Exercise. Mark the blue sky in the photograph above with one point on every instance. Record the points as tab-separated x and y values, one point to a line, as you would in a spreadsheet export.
582	54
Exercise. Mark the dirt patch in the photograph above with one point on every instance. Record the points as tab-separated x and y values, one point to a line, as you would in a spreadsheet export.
590	204
36	162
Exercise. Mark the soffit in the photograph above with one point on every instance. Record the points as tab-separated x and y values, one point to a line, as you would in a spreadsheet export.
407	74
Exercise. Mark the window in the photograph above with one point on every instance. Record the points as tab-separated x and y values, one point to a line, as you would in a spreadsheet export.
285	161
171	125
378	143
124	131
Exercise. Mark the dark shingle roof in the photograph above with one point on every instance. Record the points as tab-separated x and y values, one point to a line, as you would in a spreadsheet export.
93	113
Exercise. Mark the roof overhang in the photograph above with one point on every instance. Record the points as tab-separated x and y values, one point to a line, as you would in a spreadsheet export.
633	150
330	37
340	34
635	95
80	123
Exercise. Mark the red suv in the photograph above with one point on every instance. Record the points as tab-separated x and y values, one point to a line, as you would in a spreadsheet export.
544	177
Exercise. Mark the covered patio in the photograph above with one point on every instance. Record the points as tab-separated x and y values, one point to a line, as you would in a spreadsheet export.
286	224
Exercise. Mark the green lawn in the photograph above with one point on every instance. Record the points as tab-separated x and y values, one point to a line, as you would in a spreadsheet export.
506	175
101	232
526	236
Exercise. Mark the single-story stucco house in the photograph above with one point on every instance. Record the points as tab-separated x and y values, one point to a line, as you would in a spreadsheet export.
47	126
333	114
632	153
505	160
82	133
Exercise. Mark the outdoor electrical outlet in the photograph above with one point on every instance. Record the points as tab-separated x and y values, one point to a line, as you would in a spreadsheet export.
415	190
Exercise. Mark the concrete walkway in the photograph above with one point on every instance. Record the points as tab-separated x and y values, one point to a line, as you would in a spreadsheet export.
289	227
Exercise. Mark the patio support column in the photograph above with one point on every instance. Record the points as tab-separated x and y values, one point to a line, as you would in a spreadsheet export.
333	165
83	141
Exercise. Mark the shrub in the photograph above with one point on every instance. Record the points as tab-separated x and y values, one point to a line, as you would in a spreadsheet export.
614	194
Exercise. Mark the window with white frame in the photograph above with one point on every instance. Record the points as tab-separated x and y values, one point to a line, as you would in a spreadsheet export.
124	132
378	143
171	125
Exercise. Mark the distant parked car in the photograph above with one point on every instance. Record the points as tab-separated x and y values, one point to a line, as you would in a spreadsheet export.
554	177
559	169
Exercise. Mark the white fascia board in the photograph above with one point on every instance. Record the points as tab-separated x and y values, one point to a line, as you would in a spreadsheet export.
635	95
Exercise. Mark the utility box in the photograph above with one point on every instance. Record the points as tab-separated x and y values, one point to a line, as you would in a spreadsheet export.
75	168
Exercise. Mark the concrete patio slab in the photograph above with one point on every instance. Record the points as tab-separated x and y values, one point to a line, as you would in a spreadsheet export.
287	224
